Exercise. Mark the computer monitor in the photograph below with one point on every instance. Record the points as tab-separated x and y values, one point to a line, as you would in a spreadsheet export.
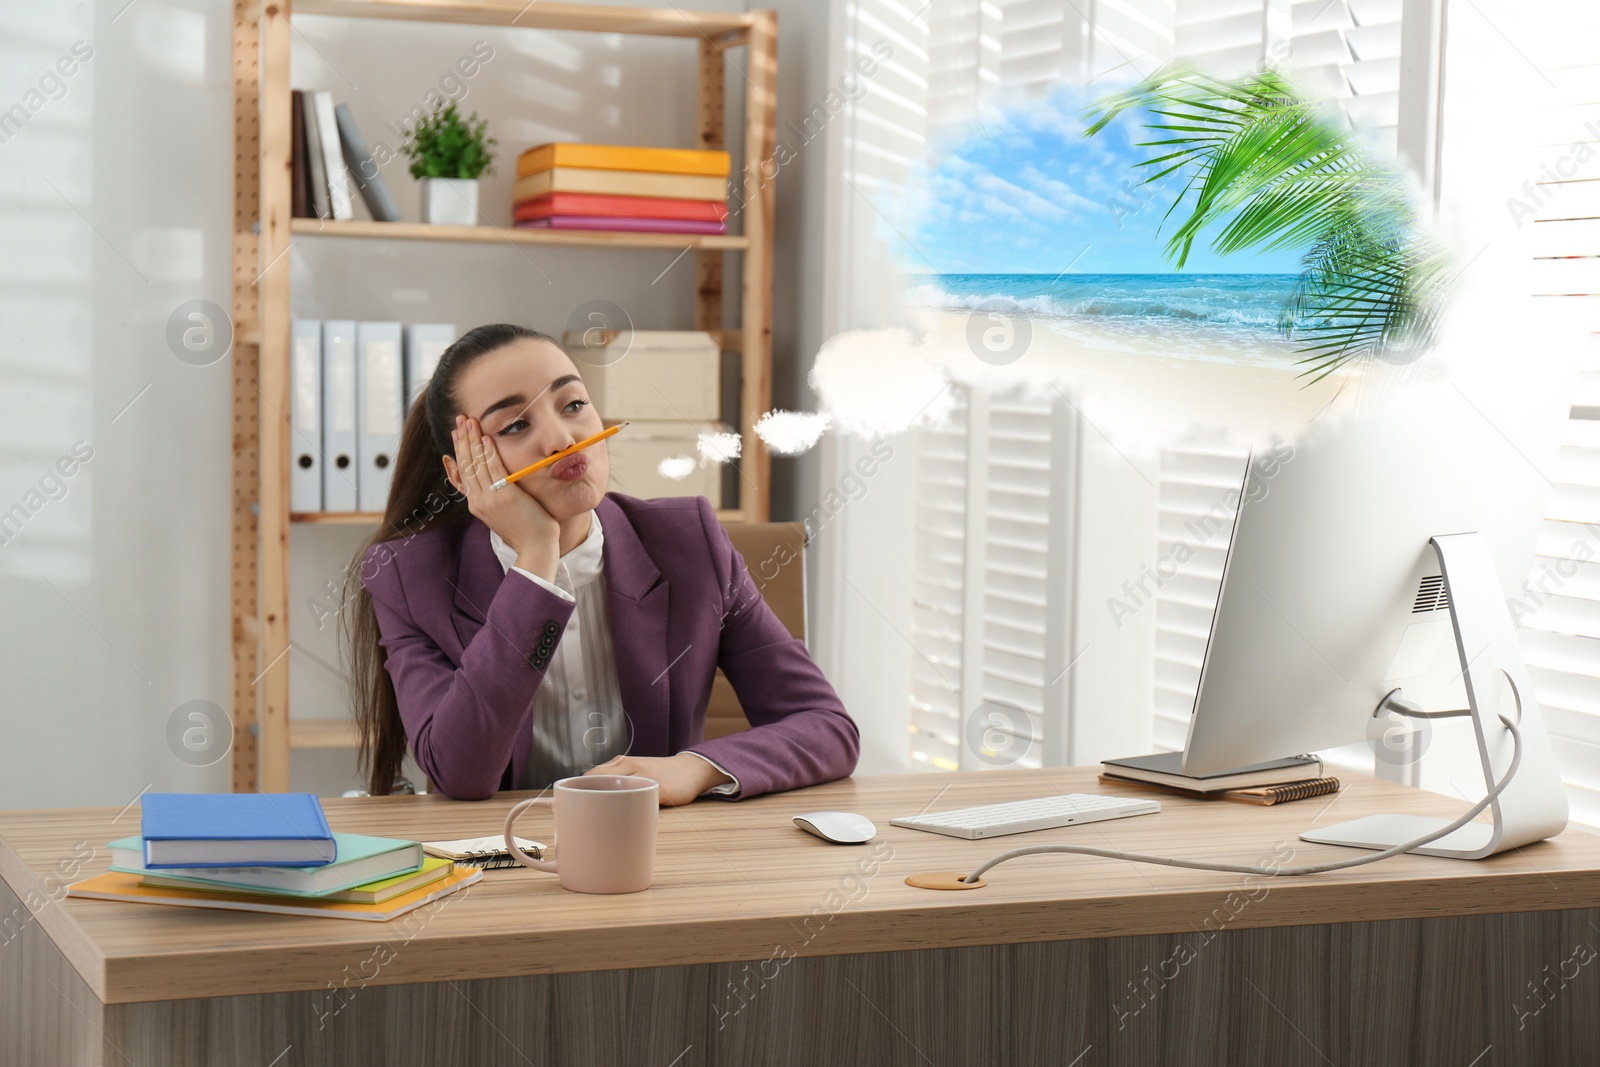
1379	554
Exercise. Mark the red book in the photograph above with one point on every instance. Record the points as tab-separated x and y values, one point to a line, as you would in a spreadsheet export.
601	222
634	207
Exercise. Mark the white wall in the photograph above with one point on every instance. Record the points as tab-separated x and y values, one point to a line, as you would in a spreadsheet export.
118	210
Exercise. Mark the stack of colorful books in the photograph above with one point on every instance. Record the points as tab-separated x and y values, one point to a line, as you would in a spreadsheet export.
563	186
270	852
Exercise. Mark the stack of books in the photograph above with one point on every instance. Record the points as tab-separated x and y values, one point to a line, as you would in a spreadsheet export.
1277	782
268	852
330	162
563	186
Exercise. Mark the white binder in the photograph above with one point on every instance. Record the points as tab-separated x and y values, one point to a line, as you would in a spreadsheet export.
305	415
339	415
379	398
425	343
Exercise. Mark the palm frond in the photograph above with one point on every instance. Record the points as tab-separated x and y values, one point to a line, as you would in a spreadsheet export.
1269	170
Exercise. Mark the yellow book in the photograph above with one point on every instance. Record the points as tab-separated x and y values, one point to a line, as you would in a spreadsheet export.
619	183
623	157
125	887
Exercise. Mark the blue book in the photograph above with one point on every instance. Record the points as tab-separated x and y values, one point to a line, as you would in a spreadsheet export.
235	830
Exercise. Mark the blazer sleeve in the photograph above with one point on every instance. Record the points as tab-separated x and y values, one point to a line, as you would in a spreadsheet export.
800	734
462	722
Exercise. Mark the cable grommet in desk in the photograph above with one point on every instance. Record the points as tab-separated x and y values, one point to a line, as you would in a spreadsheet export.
943	880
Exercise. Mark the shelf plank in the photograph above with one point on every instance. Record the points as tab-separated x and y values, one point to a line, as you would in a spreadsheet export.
417	231
372	518
337	518
658	21
323	733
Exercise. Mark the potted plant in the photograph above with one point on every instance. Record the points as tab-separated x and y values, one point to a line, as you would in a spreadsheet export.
448	153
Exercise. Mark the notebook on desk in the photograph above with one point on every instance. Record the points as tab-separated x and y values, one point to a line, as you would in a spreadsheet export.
1166	768
488	853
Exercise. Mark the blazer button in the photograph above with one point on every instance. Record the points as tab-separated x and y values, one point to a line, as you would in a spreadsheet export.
551	628
547	641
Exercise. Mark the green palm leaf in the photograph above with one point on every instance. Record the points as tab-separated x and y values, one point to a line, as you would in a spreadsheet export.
1267	169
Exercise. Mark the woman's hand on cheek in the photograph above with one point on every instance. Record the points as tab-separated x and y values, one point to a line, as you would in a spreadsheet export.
682	777
514	514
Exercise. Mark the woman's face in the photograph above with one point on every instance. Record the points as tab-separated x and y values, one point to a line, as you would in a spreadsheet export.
529	400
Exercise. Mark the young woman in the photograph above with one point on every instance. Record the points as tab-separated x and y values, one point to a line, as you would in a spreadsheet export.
551	628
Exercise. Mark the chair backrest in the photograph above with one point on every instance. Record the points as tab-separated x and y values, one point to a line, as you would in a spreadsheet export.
775	555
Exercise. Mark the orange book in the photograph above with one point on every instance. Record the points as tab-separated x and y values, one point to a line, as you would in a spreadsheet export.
622	157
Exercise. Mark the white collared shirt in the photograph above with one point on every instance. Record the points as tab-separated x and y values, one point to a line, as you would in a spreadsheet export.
578	719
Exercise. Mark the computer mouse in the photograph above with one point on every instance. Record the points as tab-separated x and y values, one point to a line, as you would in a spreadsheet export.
838	827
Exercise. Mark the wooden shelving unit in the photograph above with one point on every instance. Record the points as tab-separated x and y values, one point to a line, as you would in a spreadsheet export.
264	734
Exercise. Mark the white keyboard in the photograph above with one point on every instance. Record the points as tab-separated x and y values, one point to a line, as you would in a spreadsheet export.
1021	816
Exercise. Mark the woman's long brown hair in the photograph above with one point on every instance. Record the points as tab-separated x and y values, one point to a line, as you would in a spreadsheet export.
420	497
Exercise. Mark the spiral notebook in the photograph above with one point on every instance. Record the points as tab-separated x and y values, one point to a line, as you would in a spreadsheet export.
1281	793
487	853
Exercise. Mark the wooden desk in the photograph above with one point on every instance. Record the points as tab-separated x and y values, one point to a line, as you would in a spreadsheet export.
759	944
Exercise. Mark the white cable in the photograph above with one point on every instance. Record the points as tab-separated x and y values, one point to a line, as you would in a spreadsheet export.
1240	868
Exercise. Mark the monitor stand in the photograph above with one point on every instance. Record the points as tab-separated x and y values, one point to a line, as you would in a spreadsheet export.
1534	804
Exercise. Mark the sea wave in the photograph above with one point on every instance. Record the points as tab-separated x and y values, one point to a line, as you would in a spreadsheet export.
1247	302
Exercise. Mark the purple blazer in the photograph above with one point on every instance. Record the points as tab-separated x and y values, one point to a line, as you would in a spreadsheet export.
463	642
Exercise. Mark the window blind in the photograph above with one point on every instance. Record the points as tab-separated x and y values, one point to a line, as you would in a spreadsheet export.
991	589
1560	607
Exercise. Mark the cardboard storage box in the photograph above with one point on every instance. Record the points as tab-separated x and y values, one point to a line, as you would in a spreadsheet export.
649	374
637	452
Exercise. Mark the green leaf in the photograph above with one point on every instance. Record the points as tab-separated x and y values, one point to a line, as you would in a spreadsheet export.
444	145
1269	170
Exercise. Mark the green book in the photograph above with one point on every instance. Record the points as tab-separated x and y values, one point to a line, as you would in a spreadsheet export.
361	860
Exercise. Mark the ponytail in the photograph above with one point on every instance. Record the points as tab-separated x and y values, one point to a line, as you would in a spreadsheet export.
420	498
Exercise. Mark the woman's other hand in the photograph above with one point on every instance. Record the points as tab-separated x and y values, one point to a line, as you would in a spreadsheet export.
519	519
682	777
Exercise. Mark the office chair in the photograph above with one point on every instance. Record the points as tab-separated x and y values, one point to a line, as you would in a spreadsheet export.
765	546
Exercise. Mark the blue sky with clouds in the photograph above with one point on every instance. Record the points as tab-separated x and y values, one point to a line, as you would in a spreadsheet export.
1024	192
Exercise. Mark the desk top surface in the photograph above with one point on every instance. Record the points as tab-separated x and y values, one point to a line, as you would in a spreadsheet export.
738	881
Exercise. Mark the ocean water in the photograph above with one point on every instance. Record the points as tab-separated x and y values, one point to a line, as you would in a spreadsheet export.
1181	311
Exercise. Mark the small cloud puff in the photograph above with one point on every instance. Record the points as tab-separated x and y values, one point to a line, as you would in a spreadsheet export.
719	447
676	468
789	433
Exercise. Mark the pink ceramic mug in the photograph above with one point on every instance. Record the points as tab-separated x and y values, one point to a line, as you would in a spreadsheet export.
605	831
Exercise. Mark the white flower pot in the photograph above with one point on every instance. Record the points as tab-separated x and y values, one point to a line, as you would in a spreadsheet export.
450	201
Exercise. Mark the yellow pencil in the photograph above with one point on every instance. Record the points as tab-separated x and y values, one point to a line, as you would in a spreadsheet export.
546	461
